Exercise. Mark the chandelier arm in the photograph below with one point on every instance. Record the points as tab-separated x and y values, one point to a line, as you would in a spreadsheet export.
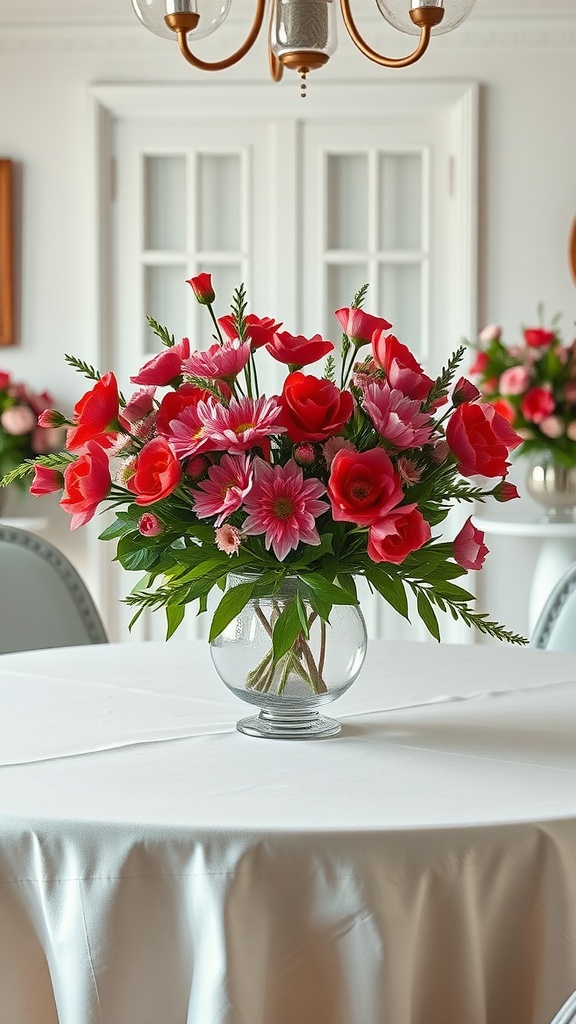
227	62
378	58
276	66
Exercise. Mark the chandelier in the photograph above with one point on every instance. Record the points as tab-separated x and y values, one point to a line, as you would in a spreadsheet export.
302	34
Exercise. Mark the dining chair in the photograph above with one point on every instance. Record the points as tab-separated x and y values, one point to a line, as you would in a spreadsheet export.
43	600
567	1013
555	629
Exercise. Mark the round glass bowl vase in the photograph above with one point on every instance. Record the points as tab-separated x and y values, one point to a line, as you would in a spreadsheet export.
314	672
553	486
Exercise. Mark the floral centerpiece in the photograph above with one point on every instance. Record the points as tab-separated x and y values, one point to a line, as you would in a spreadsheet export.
532	384
346	473
21	435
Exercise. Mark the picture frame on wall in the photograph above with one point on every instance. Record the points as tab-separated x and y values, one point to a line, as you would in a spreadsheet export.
7	336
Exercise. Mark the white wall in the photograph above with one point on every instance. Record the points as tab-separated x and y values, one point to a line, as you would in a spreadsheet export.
48	58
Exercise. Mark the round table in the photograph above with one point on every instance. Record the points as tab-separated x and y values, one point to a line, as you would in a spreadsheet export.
156	865
557	552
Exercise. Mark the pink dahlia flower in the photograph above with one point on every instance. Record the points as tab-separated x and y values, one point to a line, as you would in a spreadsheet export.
219	362
514	380
225	489
396	417
246	422
228	539
283	506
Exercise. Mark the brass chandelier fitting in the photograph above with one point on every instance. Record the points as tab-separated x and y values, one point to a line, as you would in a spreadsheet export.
302	33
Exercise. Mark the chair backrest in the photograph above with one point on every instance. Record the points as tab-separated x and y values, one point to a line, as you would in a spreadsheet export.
555	629
43	600
567	1013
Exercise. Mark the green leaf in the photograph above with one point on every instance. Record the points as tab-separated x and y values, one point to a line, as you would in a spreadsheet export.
286	629
426	613
300	608
174	615
391	588
230	606
117	529
328	591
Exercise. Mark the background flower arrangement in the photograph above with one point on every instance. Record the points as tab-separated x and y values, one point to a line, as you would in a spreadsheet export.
21	436
339	476
532	384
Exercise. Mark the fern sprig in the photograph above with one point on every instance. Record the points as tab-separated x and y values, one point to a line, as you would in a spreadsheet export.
161	332
442	383
82	367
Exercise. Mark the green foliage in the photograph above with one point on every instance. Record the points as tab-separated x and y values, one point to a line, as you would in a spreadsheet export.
163	333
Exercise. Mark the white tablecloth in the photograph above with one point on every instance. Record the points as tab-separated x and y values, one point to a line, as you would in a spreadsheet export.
157	867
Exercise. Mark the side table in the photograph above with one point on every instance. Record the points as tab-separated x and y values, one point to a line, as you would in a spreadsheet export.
557	552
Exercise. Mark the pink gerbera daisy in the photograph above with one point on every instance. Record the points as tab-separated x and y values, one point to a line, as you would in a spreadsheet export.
283	506
186	432
220	362
225	489
397	418
245	423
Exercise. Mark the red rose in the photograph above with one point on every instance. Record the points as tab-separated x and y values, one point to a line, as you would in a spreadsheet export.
295	350
469	547
259	330
481	440
86	484
158	472
313	409
363	486
360	326
400	366
537	337
202	288
399	533
164	367
537	404
4	380
175	401
95	415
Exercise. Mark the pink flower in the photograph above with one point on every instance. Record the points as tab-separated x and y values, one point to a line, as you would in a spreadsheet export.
247	422
408	470
570	392
397	418
228	539
219	362
186	432
164	367
492	332
304	454
360	326
225	489
394	537
283	506
18	420
138	407
571	430
537	404
552	426
469	547
333	445
297	351
149	525
401	368
46	481
514	381
197	467
201	285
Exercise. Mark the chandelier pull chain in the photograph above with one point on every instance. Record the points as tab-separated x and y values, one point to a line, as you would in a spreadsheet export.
303	74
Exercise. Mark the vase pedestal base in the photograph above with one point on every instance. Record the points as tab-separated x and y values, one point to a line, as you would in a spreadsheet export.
289	725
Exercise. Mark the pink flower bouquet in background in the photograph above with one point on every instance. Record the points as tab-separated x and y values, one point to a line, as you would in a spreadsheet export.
532	384
347	472
21	436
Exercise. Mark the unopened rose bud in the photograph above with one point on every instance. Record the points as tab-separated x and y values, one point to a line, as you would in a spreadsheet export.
202	288
46	481
464	391
197	467
51	418
505	491
305	455
149	525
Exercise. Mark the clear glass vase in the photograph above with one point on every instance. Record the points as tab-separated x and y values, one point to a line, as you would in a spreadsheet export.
316	670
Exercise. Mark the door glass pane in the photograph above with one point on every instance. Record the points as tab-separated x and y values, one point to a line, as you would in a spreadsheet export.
220	202
342	284
165	294
400	201
401	302
347	202
165	202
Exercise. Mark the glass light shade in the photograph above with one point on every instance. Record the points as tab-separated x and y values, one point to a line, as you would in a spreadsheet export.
307	26
397	12
151	14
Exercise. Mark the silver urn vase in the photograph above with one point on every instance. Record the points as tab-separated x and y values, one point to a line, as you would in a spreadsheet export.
553	486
